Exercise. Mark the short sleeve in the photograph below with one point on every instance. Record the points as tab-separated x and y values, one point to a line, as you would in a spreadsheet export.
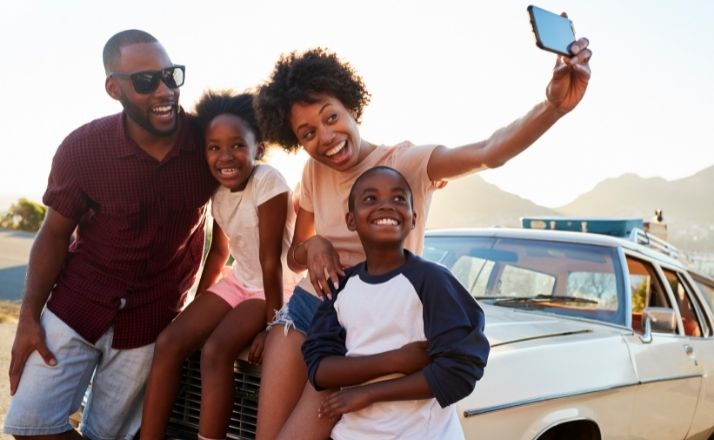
269	183
64	193
413	161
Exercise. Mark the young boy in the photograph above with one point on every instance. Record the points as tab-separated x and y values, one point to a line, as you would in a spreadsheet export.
392	299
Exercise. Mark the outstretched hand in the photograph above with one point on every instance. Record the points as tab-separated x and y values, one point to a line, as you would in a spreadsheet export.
570	77
29	337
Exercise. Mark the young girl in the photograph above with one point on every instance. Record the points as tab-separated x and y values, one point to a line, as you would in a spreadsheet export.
315	100
253	219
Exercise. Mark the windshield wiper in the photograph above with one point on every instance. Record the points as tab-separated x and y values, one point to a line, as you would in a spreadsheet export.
541	299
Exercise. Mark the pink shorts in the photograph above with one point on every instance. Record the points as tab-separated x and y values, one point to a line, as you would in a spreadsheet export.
234	292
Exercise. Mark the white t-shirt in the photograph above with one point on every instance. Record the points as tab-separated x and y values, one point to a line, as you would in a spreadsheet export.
324	192
237	214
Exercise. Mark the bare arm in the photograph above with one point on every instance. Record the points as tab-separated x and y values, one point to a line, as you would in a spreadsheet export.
46	260
272	215
215	260
565	90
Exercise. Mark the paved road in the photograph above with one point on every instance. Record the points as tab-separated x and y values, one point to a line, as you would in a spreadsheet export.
14	253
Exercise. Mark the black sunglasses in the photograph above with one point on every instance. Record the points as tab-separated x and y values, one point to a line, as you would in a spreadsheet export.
147	81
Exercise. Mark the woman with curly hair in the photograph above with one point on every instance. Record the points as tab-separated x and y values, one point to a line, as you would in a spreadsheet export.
314	100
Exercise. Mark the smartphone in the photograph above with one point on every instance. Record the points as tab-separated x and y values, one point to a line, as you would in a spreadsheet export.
553	32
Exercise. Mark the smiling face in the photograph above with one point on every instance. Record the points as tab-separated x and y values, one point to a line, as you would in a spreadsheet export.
328	132
231	150
157	112
381	207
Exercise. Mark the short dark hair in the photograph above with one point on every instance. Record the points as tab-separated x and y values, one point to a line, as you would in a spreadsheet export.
214	103
112	49
369	172
302	78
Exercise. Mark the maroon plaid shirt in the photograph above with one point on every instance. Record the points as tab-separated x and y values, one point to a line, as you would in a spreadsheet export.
139	239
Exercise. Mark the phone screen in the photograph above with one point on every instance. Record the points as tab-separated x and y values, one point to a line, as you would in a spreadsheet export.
552	31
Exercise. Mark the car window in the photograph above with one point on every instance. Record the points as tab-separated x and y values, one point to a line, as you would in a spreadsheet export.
692	320
565	278
707	290
646	290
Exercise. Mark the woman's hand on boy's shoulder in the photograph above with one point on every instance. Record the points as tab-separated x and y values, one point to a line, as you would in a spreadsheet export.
323	265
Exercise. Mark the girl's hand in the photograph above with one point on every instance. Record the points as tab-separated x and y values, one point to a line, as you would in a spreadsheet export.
570	77
344	401
255	355
323	265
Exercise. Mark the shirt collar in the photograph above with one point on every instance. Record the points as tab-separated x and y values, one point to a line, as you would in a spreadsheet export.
127	147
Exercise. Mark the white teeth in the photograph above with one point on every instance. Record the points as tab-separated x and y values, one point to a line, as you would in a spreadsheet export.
162	109
337	149
228	171
386	221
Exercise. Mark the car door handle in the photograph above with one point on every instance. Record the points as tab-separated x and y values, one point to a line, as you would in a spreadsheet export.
688	349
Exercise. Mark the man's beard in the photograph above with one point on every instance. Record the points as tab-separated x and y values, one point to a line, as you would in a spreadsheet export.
142	119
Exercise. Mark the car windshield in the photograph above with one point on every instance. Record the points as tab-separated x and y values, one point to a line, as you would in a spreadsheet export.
564	278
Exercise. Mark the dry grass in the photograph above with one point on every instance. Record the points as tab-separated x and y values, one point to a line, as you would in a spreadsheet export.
8	312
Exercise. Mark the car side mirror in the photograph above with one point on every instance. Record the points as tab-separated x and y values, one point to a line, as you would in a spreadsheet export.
657	320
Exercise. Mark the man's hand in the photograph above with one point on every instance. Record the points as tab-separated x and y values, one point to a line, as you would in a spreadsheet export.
29	337
570	77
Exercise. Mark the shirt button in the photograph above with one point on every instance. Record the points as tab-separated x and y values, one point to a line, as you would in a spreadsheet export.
122	303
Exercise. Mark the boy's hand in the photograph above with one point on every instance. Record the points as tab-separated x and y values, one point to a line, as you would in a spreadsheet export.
412	357
344	401
323	265
255	355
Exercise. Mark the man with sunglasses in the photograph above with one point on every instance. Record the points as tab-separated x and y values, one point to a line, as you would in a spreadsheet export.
118	251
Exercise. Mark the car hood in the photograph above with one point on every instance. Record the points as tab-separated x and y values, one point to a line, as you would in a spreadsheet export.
505	325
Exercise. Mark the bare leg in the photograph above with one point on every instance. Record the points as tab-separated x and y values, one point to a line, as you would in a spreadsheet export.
234	333
303	423
188	331
283	378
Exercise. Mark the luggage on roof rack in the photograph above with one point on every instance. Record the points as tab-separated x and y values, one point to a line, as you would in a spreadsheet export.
608	226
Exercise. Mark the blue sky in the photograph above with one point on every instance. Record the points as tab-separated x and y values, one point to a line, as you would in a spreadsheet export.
447	72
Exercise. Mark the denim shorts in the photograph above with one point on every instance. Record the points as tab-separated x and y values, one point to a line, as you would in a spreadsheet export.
46	396
298	312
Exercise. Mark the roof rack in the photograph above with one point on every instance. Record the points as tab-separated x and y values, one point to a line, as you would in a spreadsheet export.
641	237
633	229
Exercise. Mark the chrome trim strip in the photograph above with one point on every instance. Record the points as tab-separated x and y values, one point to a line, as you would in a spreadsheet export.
475	412
549	335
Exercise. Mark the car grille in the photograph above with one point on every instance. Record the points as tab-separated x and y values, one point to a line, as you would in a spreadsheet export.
183	422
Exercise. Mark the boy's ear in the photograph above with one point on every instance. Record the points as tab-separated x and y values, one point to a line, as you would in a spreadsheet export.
259	151
112	88
414	216
350	220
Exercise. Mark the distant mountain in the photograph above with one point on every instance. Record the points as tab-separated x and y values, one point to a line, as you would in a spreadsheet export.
687	205
472	202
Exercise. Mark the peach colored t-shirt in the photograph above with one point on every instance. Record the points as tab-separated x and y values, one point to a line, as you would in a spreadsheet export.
324	192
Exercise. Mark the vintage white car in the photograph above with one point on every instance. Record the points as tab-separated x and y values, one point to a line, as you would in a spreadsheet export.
592	336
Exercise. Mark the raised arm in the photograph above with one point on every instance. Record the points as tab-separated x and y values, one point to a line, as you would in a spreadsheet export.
565	90
46	259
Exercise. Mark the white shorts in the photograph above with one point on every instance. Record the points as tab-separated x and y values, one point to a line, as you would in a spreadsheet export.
46	396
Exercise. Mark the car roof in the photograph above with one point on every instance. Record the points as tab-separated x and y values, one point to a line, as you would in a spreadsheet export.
557	236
